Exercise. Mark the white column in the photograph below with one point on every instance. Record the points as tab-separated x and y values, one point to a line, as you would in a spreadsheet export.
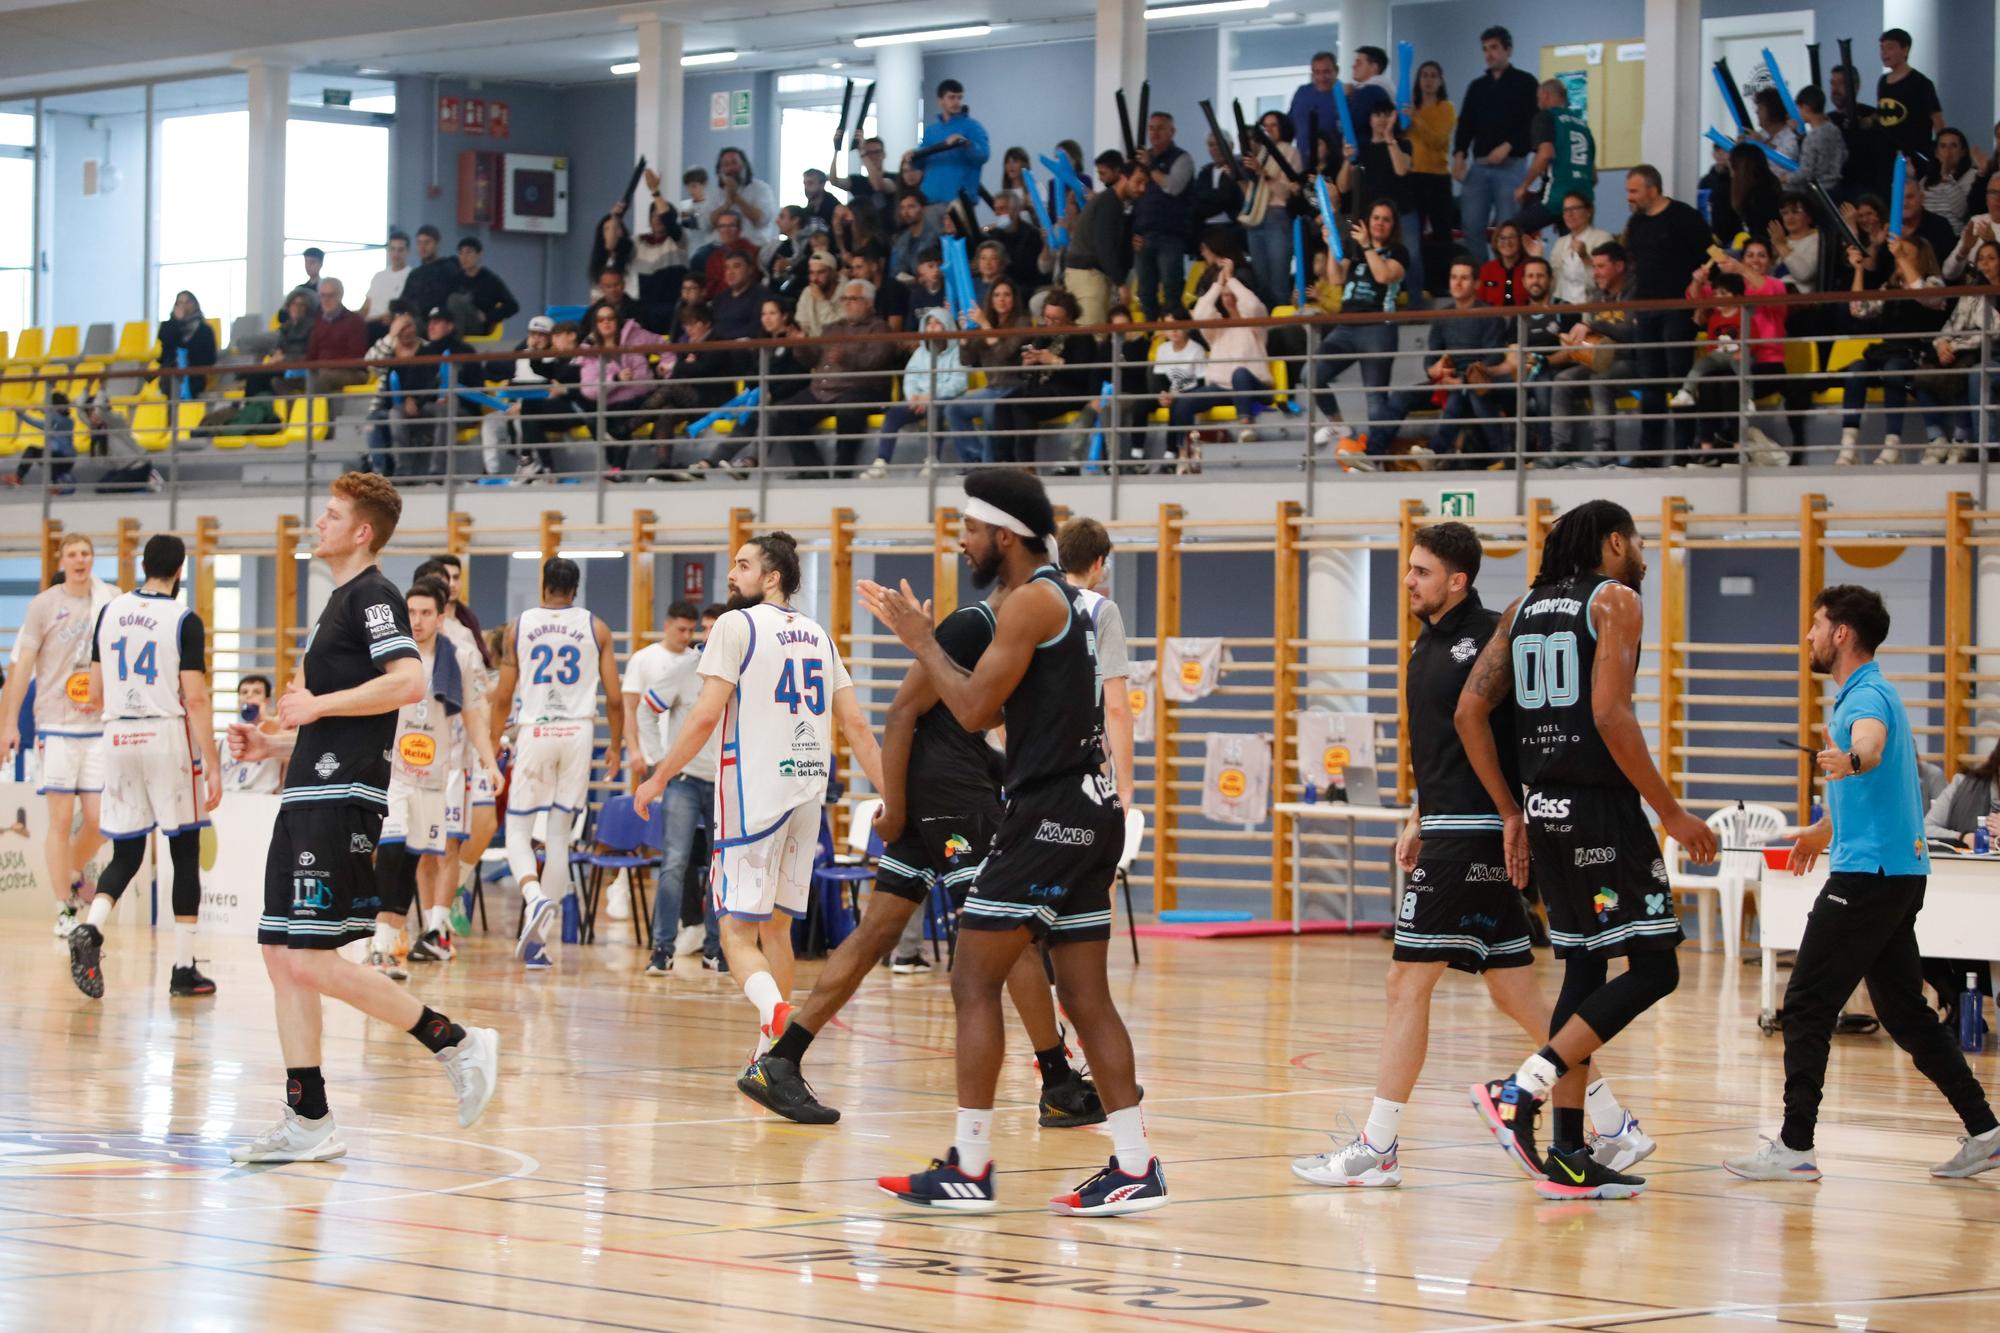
1337	608
264	230
659	99
899	98
1670	138
1121	63
1920	19
1362	23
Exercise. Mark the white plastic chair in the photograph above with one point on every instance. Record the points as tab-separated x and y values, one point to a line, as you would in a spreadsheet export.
1135	838
861	832
1736	872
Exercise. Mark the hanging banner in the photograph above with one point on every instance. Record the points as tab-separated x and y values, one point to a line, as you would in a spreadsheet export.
448	118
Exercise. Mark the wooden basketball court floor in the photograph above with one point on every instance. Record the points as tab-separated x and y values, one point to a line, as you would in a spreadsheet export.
619	1181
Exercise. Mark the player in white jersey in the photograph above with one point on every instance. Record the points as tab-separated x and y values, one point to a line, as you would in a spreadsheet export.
260	777
410	854
661	687
773	681
470	816
148	673
53	650
546	665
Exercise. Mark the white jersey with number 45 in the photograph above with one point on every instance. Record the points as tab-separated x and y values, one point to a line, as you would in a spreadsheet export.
556	649
777	728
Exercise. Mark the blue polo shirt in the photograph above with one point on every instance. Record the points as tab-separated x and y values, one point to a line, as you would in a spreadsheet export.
1878	816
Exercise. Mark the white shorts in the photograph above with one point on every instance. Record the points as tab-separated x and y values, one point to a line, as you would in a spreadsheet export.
69	763
551	768
150	779
416	819
752	878
455	825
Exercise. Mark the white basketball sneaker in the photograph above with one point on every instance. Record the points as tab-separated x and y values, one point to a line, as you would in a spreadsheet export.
1623	1150
1355	1162
473	1066
293	1139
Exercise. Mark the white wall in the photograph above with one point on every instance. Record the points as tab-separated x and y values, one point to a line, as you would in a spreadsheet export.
95	244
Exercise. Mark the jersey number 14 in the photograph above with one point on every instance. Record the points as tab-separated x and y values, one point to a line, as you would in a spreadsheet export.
1547	670
145	665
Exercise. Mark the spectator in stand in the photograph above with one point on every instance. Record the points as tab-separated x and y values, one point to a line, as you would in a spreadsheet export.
1107	166
892	299
186	340
499	431
1542	327
1905	100
57	423
738	191
1774	127
1666	240
338	334
989	265
1014	165
819	303
659	254
1130	346
966	149
780	368
479	301
611	290
703	377
1596	358
777	256
1711	382
1797	253
926	290
1870	150
693	288
619	382
1312	104
408	448
1751	203
1565	156
1161	216
932	377
819	204
1906	329
1004	317
1099	258
1982	228
1822	154
694	203
1495	127
1432	121
1920	221
1575	274
387	285
1058	377
1178	366
737	309
1380	169
1464	356
1370	279
915	233
1214	199
872	191
429	238
611	248
314	259
849	381
1238	368
1948	182
726	225
561	411
1500	276
401	342
1974	320
1266	213
1014	230
1370	87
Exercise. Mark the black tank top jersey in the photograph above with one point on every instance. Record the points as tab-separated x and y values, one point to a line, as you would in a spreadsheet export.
1055	717
1554	651
345	760
952	769
1450	798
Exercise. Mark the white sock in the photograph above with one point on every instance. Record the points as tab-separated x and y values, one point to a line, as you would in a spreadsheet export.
1536	1076
438	919
1384	1119
520	845
100	910
385	939
1892	441
1606	1115
1849	435
974	1140
555	853
761	990
1128	1140
184	943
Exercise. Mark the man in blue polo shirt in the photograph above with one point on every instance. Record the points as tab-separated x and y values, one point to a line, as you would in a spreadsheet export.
1863	926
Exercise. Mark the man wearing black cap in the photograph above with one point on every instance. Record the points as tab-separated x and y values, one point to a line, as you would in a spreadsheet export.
1047	876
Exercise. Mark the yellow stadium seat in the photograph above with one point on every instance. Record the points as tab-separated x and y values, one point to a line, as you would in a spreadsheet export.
63	342
135	343
3	345
31	348
12	438
150	425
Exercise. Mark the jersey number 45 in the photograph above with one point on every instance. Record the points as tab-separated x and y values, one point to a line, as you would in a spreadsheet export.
812	676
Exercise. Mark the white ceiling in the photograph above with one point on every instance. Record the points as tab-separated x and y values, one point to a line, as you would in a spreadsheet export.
46	45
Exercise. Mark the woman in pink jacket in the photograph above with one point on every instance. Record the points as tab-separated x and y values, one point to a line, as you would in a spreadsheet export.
627	380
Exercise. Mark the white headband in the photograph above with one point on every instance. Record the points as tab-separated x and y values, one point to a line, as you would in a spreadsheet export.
993	514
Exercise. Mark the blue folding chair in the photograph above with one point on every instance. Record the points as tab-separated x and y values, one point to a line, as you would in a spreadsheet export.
836	888
631	844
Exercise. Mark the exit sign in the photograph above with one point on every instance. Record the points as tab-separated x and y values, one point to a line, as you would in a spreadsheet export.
1455	504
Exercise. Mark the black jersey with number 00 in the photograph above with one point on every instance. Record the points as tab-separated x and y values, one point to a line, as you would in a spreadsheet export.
1055	717
1554	647
363	627
948	764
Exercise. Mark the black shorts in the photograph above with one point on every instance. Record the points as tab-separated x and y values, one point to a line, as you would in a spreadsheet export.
319	879
1600	872
940	849
1460	908
1053	859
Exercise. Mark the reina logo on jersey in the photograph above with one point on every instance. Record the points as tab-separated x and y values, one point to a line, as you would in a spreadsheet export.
418	751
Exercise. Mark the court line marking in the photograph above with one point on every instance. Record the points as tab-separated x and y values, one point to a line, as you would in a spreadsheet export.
1722	1308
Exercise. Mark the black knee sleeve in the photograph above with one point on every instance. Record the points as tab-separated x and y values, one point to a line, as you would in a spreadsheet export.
1583	976
127	854
395	878
185	851
1649	977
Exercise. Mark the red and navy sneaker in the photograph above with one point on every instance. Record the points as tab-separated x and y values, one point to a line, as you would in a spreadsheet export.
1509	1111
944	1186
1113	1192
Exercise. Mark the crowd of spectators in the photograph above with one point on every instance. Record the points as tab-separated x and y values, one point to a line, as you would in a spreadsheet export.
1489	204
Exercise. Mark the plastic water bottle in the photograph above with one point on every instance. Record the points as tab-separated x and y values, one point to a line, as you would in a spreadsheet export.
1982	841
1971	1018
1818	812
1311	792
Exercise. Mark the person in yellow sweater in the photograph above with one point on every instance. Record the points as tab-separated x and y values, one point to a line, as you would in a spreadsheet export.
1432	119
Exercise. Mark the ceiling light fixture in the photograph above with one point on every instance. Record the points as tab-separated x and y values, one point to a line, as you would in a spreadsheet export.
929	35
1204	7
625	67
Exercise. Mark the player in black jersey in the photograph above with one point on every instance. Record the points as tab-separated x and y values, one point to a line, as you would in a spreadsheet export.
360	666
1048	875
1566	656
1458	910
941	803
